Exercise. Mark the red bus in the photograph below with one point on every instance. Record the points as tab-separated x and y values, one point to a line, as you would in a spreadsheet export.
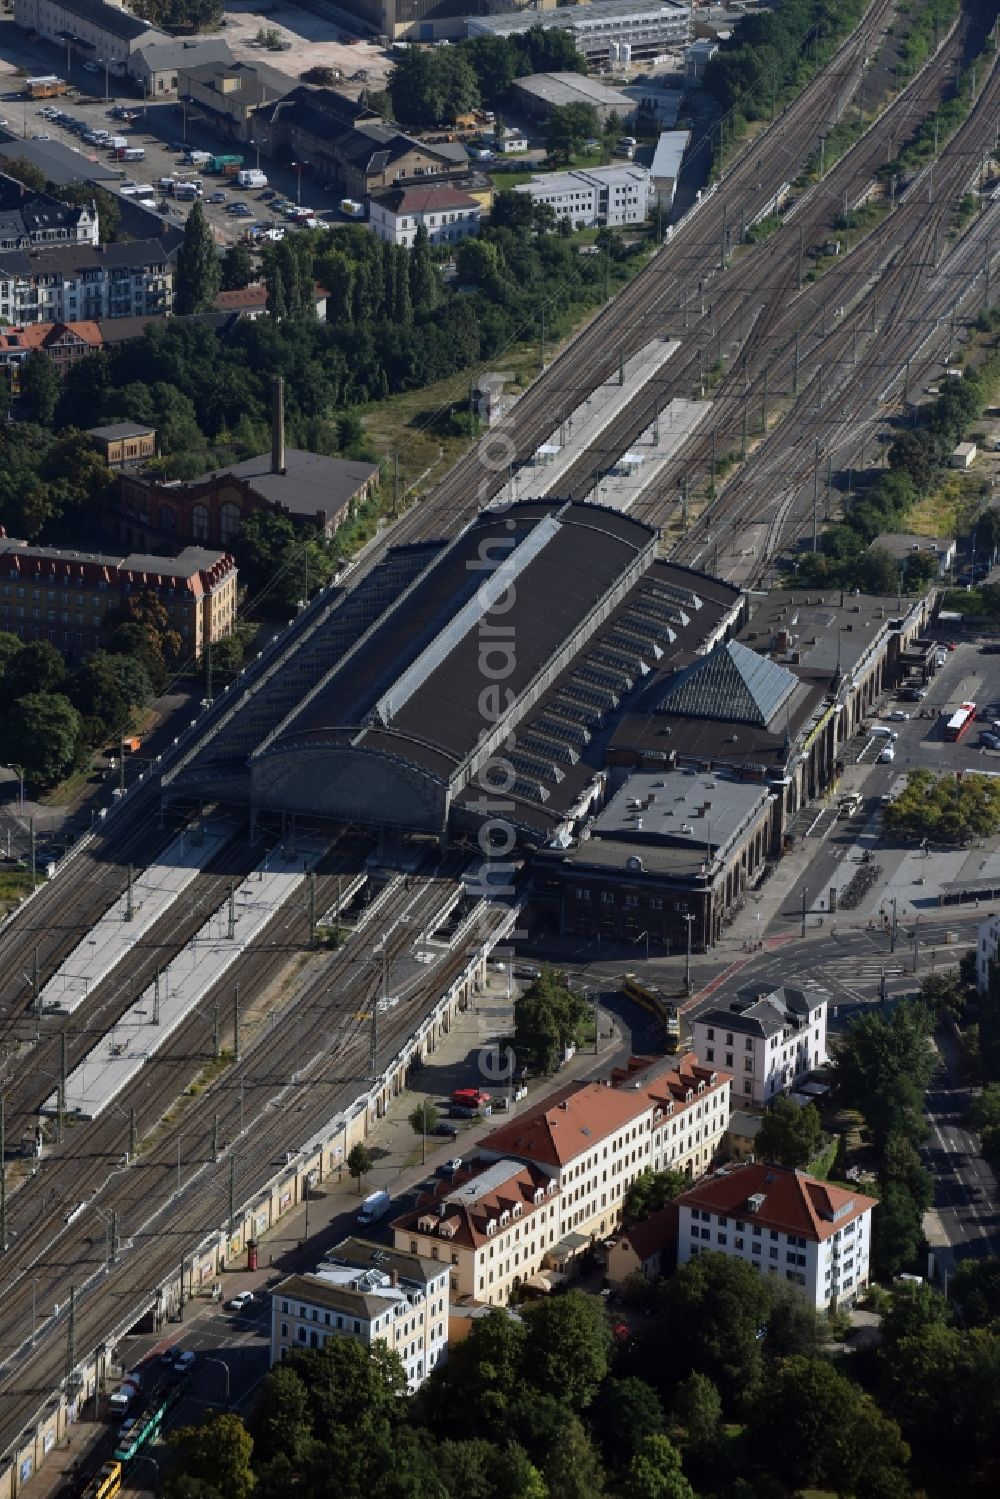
960	721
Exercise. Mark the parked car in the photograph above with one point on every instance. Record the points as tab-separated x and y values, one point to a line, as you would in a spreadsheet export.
990	740
448	1130
218	197
450	1167
898	715
527	971
186	1361
241	1300
461	1111
887	756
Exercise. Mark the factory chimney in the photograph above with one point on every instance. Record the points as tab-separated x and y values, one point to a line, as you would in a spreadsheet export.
278	427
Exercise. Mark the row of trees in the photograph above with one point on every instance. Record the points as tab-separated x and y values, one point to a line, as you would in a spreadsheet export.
884	1066
945	809
431	87
917	462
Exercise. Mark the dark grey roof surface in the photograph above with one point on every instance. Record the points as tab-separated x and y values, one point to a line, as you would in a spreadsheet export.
567	566
312	483
61	164
258	81
111	18
764	1011
69	258
732	683
117	430
185	51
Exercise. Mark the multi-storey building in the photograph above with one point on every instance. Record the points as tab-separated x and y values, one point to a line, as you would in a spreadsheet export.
646	27
95	31
768	1039
786	1224
30	219
594	196
593	1139
491	1228
987	950
63	344
86	282
372	1294
447	215
67	597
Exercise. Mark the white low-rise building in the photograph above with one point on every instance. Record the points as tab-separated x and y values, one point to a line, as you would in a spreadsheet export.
987	951
447	215
768	1040
786	1224
594	197
647	27
373	1294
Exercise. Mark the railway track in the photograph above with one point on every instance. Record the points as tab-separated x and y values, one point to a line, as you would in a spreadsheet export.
863	350
273	1086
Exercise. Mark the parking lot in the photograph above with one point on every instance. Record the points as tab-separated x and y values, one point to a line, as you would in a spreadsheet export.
160	129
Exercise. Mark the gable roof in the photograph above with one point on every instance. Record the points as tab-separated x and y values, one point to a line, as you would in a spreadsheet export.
461	1210
176	52
654	1233
767	1013
112	18
436	199
789	1200
732	683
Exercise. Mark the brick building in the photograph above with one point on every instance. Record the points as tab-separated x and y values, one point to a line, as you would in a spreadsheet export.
67	597
62	344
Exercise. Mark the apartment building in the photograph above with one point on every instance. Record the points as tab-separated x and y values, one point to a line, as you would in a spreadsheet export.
593	197
370	1293
769	1039
89	283
447	214
29	218
987	950
63	344
593	1139
66	597
786	1224
491	1228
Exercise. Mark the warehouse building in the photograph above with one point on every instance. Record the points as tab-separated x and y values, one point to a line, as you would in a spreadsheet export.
97	32
647	27
542	92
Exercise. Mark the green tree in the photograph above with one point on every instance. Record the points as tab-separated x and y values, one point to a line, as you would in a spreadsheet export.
913	1307
40	734
425	284
697	1410
548	1017
975	1289
359	1163
281	1424
95	691
650	1191
430	87
39	388
37	667
802	1422
624	1413
10	648
424	1118
198	274
898	1236
711	1315
470	1394
237	267
83	194
655	1473
350	1385
568	1347
217	1452
25	171
572	1469
568	127
789	1135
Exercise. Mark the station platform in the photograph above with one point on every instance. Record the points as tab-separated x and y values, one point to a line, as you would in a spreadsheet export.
582	426
113	936
637	470
153	1018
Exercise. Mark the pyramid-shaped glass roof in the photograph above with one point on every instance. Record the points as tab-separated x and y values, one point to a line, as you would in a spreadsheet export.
732	684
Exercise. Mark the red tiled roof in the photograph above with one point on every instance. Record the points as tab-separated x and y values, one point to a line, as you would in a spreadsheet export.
565	1124
465	1222
241	297
41	335
655	1232
436	199
793	1202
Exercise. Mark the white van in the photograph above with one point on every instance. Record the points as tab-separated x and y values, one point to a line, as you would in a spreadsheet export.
880	731
887	756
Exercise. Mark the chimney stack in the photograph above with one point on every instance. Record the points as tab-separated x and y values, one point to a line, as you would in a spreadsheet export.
278	427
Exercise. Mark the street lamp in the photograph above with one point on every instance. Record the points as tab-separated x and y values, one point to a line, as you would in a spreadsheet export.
687	962
256	146
297	169
222	1365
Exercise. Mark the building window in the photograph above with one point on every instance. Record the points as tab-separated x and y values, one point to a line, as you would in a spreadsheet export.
230	519
199	522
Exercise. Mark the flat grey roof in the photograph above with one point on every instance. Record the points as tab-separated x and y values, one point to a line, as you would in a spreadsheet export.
904	544
669	153
61	164
573	88
671	818
823	628
118	430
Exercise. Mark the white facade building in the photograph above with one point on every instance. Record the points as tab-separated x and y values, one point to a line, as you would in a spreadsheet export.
769	1041
74	283
987	950
372	1294
594	197
100	33
814	1235
647	27
447	215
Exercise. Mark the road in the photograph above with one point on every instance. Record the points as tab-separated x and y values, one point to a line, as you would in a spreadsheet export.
162	126
966	1200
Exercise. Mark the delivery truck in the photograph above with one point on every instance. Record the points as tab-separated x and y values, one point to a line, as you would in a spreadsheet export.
374	1207
220	163
251	178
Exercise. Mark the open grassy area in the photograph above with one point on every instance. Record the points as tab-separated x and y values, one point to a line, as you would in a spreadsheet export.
949	511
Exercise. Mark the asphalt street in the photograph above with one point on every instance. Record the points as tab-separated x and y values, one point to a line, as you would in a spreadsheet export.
965	1194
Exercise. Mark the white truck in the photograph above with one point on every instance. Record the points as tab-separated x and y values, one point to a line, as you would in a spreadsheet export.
374	1207
251	178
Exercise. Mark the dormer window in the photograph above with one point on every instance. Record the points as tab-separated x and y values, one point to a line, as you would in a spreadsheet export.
517	1210
491	1227
701	1087
539	1195
657	1115
504	1218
